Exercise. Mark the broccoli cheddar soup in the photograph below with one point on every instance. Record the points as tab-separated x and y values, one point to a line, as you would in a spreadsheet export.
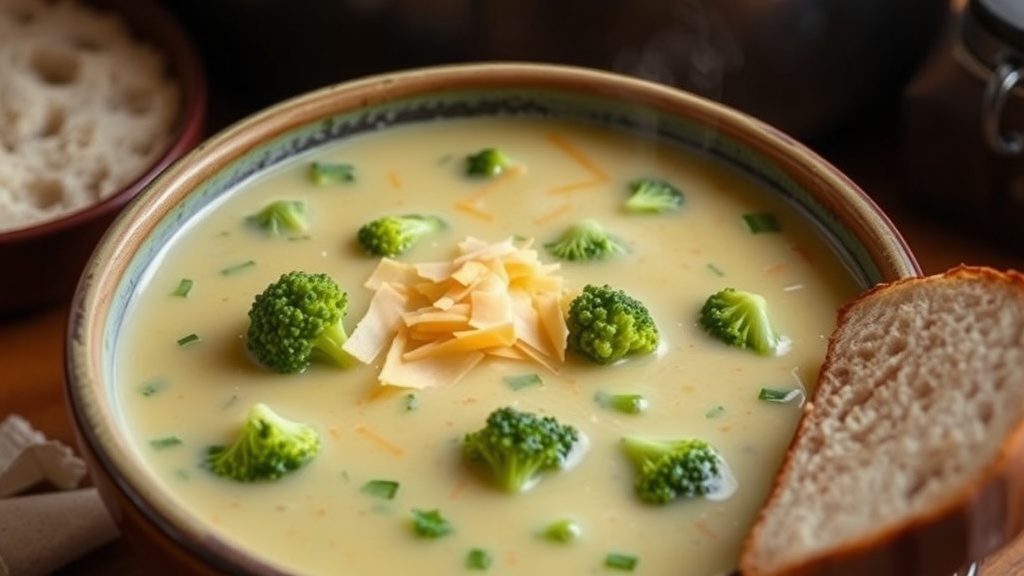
393	453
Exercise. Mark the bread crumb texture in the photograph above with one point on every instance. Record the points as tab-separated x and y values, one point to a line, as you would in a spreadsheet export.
85	108
922	383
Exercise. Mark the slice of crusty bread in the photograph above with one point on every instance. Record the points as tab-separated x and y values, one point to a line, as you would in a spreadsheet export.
909	458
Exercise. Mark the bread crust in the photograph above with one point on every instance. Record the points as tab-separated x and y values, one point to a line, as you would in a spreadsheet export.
973	522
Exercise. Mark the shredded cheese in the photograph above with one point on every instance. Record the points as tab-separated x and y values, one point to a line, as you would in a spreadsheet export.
438	320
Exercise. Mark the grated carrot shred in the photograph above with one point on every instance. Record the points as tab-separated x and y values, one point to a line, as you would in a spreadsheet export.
473	208
577	155
394	179
573	187
562	209
375	437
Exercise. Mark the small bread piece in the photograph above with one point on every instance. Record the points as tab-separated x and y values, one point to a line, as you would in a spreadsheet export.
909	458
85	108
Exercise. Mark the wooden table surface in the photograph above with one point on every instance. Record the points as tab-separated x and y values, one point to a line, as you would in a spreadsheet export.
31	347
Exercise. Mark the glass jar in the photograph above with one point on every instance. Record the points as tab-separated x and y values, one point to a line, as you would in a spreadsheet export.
962	144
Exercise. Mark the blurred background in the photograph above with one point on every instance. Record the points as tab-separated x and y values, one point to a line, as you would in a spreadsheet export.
805	66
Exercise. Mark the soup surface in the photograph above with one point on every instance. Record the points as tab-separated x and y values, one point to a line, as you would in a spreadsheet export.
318	520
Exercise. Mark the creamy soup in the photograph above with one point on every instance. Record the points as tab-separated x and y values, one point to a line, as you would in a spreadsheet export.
317	520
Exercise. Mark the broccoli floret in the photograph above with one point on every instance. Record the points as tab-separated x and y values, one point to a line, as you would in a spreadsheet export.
606	325
653	195
268	447
585	241
487	163
298	319
670	469
393	235
516	447
740	318
281	215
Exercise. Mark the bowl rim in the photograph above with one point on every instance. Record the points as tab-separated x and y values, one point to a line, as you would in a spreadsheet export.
91	406
182	57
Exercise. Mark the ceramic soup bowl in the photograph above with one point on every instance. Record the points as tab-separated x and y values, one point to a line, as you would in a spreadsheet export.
162	368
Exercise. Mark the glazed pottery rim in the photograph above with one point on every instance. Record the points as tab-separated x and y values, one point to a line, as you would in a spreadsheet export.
106	275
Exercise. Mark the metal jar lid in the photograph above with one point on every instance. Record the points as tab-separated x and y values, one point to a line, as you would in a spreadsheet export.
993	32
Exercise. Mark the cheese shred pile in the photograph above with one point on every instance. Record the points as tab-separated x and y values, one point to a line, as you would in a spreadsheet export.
436	321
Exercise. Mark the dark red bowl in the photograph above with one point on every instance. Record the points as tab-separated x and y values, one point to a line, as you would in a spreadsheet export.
41	264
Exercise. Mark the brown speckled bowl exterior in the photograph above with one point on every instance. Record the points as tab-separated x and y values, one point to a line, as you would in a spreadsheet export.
181	544
41	264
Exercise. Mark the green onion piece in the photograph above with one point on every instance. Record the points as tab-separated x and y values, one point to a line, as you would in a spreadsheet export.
779	396
231	401
521	381
620	561
715	412
412	402
323	173
184	288
236	268
758	222
715	269
385	489
152	386
625	403
165	442
478	559
430	523
562	531
189	339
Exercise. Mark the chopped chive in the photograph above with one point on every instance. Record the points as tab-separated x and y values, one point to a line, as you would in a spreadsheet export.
520	381
478	559
152	386
758	222
715	412
625	403
236	268
562	531
230	402
715	269
189	339
779	396
411	402
323	173
620	561
183	288
182	474
385	489
165	442
430	523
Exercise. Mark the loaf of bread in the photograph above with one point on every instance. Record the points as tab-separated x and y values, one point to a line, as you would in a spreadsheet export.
909	458
85	108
